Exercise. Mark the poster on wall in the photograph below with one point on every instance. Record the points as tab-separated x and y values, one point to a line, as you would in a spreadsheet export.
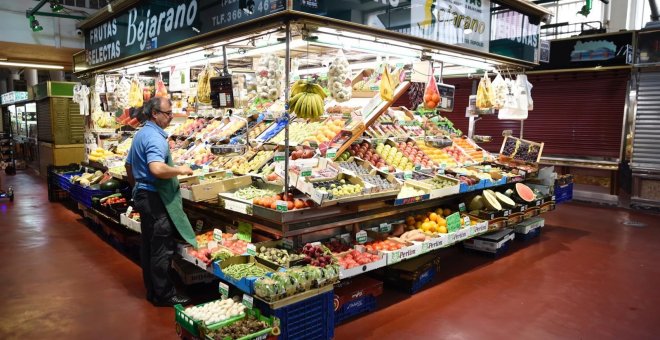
602	50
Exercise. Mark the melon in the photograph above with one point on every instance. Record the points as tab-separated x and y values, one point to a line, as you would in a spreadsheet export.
525	193
507	202
490	200
508	193
476	203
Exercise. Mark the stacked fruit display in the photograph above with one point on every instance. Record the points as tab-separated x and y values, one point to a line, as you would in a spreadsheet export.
207	131
438	156
292	203
302	153
440	182
338	188
394	157
328	130
413	153
189	127
228	130
471	150
299	131
216	311
386	245
365	151
254	164
337	246
257	130
457	154
353	167
238	247
317	256
356	258
410	191
379	183
431	222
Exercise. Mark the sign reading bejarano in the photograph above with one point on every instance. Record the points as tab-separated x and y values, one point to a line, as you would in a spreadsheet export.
153	24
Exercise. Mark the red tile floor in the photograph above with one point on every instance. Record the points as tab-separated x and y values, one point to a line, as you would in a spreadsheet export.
588	277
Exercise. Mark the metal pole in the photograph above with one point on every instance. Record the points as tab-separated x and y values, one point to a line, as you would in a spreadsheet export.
522	127
287	69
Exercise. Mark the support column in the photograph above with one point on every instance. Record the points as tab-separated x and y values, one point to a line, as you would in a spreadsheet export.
31	77
56	75
3	85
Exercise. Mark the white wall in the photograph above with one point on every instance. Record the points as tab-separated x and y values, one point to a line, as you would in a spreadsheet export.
15	27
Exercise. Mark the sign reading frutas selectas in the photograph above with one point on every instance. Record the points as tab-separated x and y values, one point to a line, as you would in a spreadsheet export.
153	24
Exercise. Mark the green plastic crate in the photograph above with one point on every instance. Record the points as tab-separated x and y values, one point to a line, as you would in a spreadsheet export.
260	335
196	328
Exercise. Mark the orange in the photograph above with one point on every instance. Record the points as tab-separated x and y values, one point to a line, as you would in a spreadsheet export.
427	220
439	211
419	218
433	217
442	222
410	221
442	229
446	212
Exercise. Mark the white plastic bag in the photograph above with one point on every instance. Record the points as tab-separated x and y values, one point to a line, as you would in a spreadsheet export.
512	100
499	91
339	78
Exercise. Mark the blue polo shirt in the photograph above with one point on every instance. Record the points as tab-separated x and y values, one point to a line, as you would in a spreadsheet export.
149	145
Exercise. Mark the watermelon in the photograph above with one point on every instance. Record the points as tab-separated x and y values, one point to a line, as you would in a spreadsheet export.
525	193
506	201
111	185
490	200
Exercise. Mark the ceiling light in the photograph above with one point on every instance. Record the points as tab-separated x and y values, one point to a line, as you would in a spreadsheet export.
56	6
30	65
34	24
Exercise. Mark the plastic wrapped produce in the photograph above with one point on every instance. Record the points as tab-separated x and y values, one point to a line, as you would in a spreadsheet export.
339	78
121	93
269	288
270	76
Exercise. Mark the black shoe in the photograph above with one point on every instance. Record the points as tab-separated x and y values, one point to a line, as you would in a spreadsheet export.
174	300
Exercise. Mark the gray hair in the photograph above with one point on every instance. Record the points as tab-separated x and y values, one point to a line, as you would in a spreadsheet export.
153	105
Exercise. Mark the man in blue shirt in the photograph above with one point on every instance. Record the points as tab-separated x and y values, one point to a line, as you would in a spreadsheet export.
146	162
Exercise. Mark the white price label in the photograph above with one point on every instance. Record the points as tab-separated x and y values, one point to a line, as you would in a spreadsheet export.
248	301
361	237
217	234
224	290
251	249
506	213
130	210
385	228
466	221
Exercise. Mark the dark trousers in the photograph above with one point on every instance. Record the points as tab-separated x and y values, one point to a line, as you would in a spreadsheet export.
158	245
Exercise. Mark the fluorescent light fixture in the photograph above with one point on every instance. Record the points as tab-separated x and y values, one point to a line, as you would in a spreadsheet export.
463	61
43	66
450	71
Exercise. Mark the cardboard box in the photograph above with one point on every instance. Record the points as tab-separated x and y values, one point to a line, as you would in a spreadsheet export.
202	188
490	243
440	241
404	253
446	191
346	273
459	235
400	200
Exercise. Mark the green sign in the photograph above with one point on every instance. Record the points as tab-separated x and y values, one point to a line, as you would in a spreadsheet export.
244	231
418	167
461	207
306	172
224	290
331	153
407	175
248	301
385	228
281	206
251	249
153	24
453	222
361	237
217	234
279	157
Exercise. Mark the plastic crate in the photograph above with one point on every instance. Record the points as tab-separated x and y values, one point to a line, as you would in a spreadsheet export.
563	193
532	234
358	306
84	195
63	181
309	319
412	275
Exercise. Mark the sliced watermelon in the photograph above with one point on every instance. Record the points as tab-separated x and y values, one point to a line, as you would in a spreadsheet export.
525	193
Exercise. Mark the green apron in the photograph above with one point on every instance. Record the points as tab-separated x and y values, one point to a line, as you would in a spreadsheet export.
168	189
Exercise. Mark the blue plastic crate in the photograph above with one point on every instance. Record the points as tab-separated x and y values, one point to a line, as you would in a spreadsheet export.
363	304
423	279
503	249
84	195
310	319
532	234
63	181
563	193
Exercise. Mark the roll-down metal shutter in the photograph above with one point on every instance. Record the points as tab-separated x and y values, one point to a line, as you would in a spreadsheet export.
646	143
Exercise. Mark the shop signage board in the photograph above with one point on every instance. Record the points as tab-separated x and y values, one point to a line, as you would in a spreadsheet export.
463	23
13	97
514	34
154	24
602	50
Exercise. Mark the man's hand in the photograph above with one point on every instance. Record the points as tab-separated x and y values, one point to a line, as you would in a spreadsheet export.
184	170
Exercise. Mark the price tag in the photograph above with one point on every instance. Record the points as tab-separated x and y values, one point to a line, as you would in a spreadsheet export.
199	225
306	172
554	198
217	234
244	231
538	203
453	222
317	243
461	207
418	167
466	221
251	249
248	301
407	175
385	228
385	170
287	243
523	207
361	237
130	210
224	290
229	174
506	213
279	157
331	153
281	206
522	173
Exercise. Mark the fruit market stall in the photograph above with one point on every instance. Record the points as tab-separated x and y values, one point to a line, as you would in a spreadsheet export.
318	147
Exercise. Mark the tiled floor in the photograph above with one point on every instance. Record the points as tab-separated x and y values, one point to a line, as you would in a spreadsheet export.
588	277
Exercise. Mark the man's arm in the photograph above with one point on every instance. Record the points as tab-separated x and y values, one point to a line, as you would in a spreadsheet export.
129	174
164	171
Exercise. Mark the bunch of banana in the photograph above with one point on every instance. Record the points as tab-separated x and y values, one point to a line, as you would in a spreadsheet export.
135	98
204	85
307	100
387	84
